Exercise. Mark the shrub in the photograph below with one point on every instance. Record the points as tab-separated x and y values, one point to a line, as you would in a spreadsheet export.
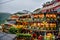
13	30
23	35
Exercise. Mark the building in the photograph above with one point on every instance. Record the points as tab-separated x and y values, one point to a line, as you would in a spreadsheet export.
44	21
54	5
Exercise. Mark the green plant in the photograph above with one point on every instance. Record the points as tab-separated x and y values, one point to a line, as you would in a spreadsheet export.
19	30
23	35
13	30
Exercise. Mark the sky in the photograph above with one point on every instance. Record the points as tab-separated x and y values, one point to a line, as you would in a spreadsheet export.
19	5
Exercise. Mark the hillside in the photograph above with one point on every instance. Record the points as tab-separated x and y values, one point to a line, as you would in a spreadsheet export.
3	17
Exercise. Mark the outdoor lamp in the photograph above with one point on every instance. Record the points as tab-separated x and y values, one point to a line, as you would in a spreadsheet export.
47	26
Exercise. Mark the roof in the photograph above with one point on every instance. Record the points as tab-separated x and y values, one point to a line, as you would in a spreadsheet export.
5	36
51	6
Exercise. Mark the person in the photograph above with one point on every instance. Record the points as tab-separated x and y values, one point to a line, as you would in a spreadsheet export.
34	35
58	37
32	38
0	28
3	28
40	37
49	36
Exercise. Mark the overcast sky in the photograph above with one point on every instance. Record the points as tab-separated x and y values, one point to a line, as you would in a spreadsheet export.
19	5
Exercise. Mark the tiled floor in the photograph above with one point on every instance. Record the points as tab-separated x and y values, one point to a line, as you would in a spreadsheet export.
5	36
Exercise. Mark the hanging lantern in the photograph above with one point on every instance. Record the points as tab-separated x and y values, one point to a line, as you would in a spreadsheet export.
52	25
34	24
47	15
41	15
38	24
51	15
31	24
47	26
35	16
19	26
54	16
44	22
42	25
48	19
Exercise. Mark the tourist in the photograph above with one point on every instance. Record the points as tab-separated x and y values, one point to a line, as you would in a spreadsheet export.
40	37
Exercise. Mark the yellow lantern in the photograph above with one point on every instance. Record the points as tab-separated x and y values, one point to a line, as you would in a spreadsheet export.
34	24
44	22
19	26
49	34
47	25
52	25
35	16
54	16
51	15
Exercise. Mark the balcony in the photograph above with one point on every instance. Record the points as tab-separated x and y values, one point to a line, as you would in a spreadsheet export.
38	19
51	20
26	20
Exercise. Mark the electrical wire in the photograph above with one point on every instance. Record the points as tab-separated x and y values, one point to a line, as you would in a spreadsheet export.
6	2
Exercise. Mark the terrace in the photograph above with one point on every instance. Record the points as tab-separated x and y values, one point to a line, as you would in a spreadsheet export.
5	36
